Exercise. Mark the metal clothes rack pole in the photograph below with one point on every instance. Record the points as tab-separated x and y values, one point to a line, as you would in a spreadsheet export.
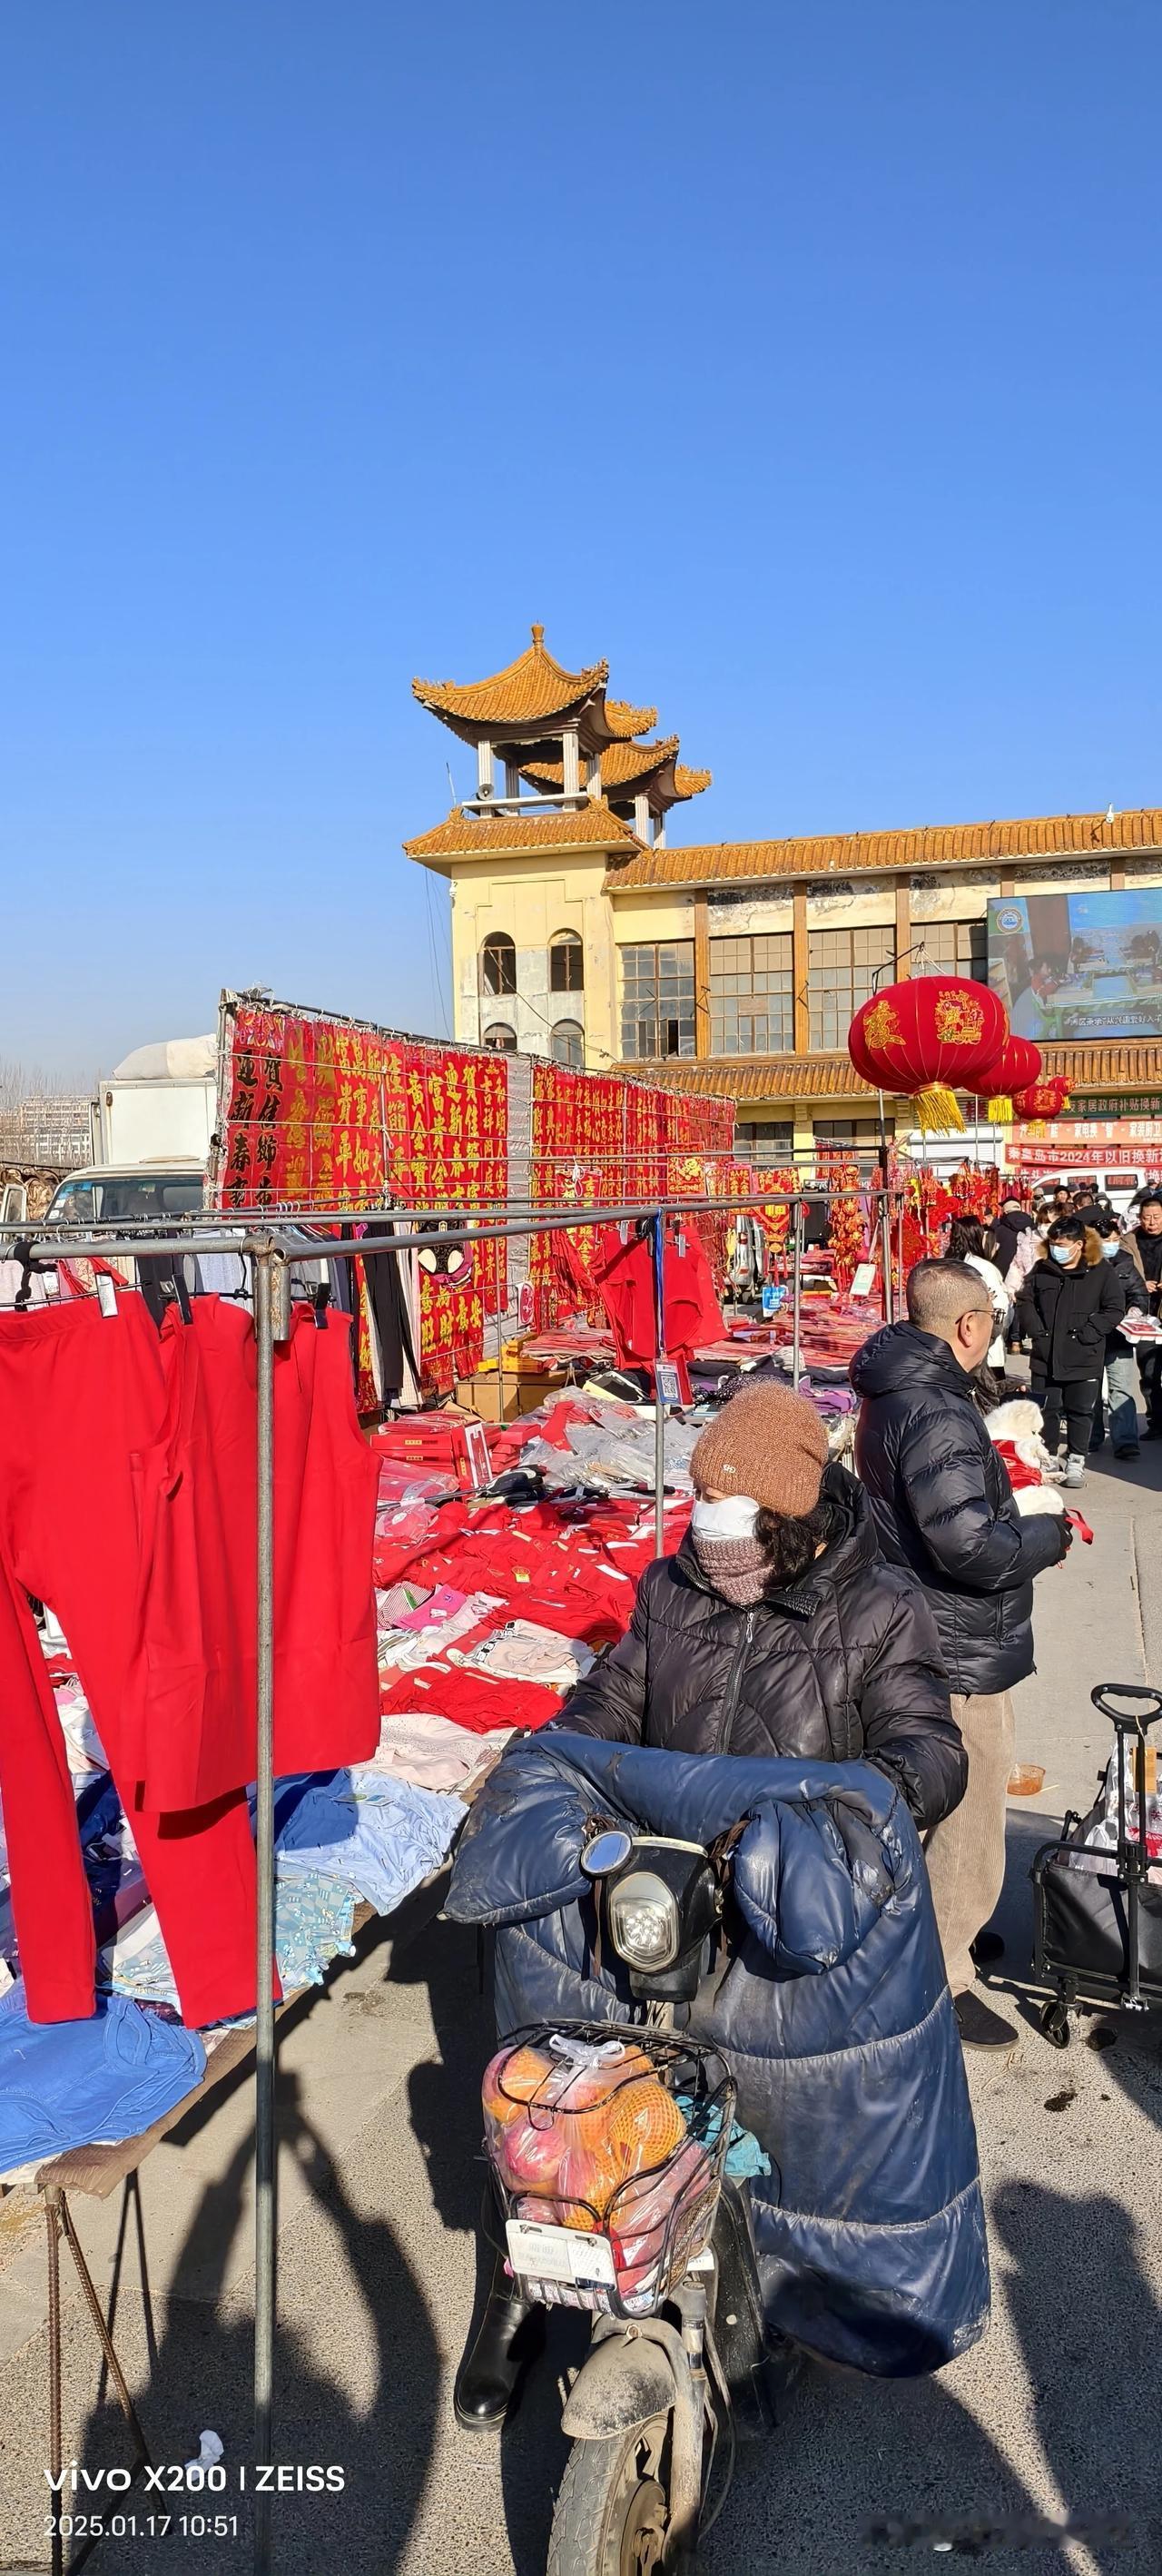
885	1234
269	1279
658	1241
499	1337
796	1293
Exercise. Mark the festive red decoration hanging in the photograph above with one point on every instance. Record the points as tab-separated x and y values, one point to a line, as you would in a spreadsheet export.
1042	1099
925	1037
1015	1068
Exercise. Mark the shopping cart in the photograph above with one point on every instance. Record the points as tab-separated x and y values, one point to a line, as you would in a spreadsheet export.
1098	1910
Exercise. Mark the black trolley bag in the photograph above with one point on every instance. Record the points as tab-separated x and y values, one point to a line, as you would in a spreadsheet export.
1098	1930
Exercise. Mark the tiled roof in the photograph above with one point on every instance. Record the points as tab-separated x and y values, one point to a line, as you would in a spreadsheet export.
770	1077
628	765
1135	1066
625	721
532	687
496	835
951	845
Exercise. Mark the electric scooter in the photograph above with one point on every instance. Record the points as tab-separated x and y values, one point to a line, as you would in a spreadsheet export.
679	2365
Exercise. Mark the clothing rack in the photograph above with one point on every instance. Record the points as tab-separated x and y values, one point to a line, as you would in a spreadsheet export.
265	1237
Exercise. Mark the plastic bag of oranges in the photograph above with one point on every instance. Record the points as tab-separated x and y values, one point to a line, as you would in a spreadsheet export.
575	2121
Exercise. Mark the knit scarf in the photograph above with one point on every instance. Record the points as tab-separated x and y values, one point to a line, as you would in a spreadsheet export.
738	1568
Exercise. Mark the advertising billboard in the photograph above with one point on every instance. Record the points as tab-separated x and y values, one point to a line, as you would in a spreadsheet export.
1071	966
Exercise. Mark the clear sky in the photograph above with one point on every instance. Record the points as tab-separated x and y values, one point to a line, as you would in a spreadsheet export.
802	356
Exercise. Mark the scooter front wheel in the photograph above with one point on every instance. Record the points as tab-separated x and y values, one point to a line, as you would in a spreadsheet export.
612	2513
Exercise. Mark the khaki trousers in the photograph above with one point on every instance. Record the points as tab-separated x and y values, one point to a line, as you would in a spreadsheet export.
965	1852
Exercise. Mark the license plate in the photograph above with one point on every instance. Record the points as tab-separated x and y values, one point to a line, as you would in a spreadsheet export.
560	2254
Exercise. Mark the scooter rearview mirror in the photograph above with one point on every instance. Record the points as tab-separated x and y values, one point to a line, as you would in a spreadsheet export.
605	1852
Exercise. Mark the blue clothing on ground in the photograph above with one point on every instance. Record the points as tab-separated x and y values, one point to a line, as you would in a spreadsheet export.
87	2083
376	1832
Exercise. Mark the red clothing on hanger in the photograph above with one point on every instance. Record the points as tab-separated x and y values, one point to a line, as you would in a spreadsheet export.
81	1399
190	1718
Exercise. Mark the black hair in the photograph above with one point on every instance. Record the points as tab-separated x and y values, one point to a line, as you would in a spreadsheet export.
965	1234
1068	1229
791	1540
1105	1223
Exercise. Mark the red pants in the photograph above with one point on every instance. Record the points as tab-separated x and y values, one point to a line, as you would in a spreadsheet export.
81	1399
191	1712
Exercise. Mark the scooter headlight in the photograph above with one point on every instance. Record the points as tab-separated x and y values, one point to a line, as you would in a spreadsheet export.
644	1925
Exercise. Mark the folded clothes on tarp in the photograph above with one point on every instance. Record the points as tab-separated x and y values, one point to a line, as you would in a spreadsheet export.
312	1925
375	1833
88	2083
433	1752
523	1651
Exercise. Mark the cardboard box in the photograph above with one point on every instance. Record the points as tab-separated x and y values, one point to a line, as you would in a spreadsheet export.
521	1394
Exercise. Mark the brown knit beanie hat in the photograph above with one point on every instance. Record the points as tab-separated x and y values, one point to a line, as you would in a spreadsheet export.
768	1443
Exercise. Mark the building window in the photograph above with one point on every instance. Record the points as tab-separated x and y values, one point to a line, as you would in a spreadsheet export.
657	999
568	1045
765	1142
951	948
752	1008
566	963
500	1038
851	1140
498	963
840	967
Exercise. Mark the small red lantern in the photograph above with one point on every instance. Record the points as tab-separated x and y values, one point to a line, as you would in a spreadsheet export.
1042	1099
1016	1068
923	1037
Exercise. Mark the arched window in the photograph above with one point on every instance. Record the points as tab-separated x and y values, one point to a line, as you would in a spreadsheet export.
498	963
500	1038
568	1045
566	963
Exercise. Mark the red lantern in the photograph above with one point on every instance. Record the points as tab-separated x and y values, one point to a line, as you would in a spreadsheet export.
1042	1099
926	1036
1015	1068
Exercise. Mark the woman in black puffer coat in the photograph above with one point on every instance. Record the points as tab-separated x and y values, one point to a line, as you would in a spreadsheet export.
777	1628
1072	1303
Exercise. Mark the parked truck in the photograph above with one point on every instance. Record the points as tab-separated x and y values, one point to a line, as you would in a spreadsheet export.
151	1122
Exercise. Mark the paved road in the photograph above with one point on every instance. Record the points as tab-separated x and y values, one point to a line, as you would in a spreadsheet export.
1056	2409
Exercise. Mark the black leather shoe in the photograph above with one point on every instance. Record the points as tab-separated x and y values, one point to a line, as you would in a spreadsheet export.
510	2335
986	1947
980	2026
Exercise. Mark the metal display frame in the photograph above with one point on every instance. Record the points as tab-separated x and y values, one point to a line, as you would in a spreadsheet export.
272	1239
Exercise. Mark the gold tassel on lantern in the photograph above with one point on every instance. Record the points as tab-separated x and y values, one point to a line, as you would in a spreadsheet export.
937	1110
1001	1110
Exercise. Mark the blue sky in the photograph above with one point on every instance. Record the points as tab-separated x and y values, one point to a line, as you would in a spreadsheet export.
803	360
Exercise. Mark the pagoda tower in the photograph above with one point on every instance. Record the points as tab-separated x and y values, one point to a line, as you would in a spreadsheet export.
569	782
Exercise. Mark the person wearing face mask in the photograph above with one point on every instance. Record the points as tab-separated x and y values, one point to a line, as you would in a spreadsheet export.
776	1628
1121	1368
1073	1302
944	1509
1147	1243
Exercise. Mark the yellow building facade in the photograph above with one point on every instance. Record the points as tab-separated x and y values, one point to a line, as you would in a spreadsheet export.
581	931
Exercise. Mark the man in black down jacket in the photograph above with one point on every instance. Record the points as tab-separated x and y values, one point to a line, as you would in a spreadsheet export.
944	1507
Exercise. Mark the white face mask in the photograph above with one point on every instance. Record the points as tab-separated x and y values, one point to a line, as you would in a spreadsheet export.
734	1517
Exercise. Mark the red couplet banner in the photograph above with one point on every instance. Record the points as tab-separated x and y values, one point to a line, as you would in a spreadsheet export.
316	1112
324	1113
